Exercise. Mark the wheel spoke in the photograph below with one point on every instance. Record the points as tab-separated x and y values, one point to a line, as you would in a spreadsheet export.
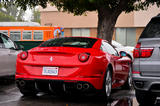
130	78
108	84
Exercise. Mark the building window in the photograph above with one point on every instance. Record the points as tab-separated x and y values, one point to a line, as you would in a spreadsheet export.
38	35
126	36
80	32
4	32
27	35
15	35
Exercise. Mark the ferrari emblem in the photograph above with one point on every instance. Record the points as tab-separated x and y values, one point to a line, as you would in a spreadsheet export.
51	58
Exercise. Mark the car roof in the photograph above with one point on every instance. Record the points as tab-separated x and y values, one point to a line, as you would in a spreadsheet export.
155	17
82	37
4	24
3	34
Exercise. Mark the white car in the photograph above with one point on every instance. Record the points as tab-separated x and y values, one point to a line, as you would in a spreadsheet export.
8	55
119	47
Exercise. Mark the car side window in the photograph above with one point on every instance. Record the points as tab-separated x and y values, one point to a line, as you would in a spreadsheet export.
103	48
109	49
1	43
8	44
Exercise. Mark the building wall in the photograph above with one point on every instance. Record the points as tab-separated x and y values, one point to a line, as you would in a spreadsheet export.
93	32
141	18
125	20
114	35
133	19
63	19
67	32
56	21
138	32
133	22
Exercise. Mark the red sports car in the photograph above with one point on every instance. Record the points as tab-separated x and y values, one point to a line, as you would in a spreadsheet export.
72	64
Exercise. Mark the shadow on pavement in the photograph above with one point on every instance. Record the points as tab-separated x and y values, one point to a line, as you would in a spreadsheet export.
7	80
94	100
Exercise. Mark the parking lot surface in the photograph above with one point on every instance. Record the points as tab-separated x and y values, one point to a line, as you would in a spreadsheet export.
10	96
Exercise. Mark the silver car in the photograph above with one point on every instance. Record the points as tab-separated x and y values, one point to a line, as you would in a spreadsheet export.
8	55
146	65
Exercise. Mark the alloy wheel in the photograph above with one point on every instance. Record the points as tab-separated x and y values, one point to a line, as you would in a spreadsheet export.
108	84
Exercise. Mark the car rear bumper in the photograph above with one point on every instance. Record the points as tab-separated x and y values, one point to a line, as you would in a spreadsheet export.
142	83
56	86
95	82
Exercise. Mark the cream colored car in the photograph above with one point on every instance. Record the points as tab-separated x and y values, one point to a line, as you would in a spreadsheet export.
8	55
119	47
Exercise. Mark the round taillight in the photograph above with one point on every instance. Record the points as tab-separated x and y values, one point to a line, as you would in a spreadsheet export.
24	55
83	57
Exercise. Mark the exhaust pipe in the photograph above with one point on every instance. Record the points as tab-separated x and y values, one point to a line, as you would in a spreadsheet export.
21	83
17	82
85	86
79	86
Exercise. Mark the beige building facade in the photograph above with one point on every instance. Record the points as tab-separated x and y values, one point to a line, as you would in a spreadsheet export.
127	29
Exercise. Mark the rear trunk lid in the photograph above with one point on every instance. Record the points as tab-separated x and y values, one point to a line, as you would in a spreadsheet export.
150	66
150	39
57	56
58	61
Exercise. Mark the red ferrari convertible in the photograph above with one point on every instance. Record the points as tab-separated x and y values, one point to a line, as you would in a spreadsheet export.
72	64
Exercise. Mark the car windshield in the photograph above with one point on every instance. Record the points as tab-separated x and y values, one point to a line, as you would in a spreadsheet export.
70	42
152	30
116	44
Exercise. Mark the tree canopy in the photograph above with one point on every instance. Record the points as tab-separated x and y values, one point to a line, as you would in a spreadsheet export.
36	15
6	18
78	7
11	11
108	10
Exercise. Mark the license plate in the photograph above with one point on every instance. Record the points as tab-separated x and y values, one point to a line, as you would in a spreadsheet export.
50	71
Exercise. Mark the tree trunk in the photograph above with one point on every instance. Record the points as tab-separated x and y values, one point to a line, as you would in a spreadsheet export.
106	23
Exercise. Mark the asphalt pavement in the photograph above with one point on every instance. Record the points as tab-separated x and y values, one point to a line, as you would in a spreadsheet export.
10	96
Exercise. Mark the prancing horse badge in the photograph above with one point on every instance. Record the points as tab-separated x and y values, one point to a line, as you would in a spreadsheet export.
51	58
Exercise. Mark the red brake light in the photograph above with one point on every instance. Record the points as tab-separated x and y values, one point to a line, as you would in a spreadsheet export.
142	52
136	52
24	55
135	72
83	57
138	45
146	52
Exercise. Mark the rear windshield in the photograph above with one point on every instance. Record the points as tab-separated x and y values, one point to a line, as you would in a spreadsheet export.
70	42
152	30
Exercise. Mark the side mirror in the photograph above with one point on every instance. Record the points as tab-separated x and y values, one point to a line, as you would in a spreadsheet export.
20	47
122	54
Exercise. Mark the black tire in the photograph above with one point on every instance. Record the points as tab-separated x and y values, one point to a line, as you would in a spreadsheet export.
108	84
129	83
145	98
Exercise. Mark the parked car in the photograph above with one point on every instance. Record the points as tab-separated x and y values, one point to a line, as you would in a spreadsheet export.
8	55
79	64
146	65
119	47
